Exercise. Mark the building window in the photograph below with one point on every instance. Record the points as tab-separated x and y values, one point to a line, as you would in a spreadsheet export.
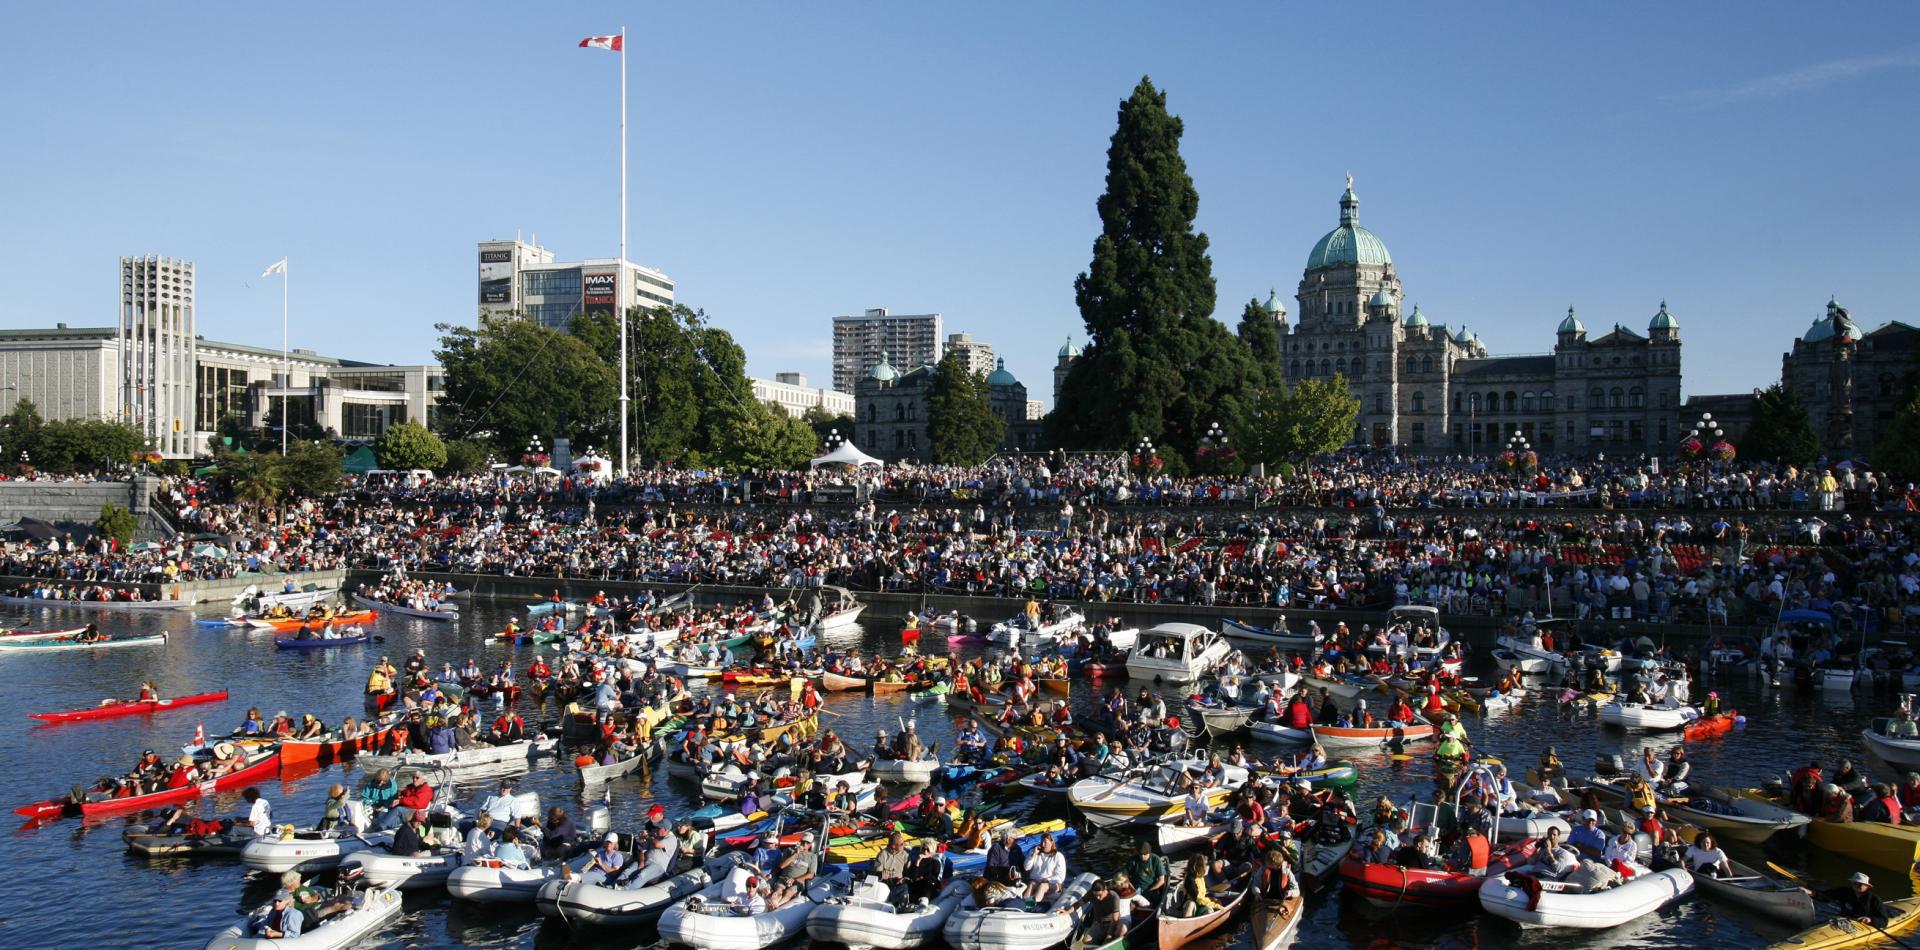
1597	398
1573	403
1513	401
1379	402
1473	402
1617	398
899	412
1326	367
1426	364
1293	370
1636	398
1526	401
1663	431
1569	429
1419	433
1493	403
1340	366
1456	402
871	412
1419	404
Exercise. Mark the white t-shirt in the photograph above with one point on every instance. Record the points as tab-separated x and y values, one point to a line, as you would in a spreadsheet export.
1698	858
261	817
1049	868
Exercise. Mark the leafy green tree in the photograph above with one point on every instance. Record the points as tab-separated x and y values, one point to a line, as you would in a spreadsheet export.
762	436
825	423
1780	431
1897	450
117	523
86	445
1314	417
962	427
688	381
1148	301
510	380
407	445
464	457
20	430
313	469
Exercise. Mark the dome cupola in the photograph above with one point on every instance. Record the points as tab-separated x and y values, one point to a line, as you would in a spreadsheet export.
1415	320
1349	244
1664	320
1000	376
1572	323
883	371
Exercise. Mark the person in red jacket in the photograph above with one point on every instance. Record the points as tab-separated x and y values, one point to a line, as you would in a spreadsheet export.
417	795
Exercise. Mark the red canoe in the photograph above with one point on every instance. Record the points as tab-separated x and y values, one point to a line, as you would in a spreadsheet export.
328	751
133	708
1711	726
265	764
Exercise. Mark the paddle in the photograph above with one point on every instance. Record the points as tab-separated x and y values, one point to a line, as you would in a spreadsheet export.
1847	924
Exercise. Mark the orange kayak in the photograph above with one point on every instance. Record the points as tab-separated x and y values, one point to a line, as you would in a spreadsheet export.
294	623
328	751
1711	726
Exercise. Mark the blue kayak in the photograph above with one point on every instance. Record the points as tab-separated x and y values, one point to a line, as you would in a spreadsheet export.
317	643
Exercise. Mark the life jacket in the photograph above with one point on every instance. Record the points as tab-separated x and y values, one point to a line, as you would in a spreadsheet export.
1892	804
1478	852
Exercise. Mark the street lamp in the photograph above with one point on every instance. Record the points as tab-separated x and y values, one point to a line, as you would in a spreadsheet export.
834	439
1706	439
1214	446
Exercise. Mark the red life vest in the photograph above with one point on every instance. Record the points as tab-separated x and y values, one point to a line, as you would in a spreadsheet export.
1893	809
1478	852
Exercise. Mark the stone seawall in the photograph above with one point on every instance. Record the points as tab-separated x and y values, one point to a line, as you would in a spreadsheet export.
80	502
220	591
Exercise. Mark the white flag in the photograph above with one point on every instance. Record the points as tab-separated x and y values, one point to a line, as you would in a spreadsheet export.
279	267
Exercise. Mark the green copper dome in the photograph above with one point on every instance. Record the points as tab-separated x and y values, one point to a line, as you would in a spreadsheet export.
883	370
1000	376
1414	319
1572	323
1462	336
1069	351
1381	299
1822	329
1664	320
1273	304
1349	244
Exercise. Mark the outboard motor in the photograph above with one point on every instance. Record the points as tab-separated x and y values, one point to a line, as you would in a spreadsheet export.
1607	766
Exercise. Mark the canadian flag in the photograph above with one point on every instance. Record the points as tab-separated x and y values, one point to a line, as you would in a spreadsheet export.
199	733
602	42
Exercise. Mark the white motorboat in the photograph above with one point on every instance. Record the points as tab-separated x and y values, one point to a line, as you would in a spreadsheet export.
256	601
1533	654
708	919
1894	750
1649	717
1275	732
1110	801
1176	653
513	753
376	907
1016	631
1837	680
972	927
1508	659
404	871
1418	616
1563	905
445	611
308	850
1174	836
859	923
840	614
582	903
901	770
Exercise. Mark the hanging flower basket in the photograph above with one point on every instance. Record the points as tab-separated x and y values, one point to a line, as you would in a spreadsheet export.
1691	447
536	459
1723	451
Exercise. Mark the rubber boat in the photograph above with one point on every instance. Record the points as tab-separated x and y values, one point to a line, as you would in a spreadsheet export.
259	766
1514	824
1390	885
446	611
50	646
376	908
342	619
1275	732
1735	817
1267	636
1706	727
491	882
308	850
707	920
523	751
1748	889
1563	905
135	707
1180	931
1004	928
1903	918
404	871
1881	845
1109	801
900	770
317	643
858	922
581	904
1893	750
225	844
1276	920
1653	718
1347	737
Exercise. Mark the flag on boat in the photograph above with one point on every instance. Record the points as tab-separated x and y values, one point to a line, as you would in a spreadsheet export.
277	267
602	42
199	733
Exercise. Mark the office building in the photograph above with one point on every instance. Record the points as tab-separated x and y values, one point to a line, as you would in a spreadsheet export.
791	393
155	346
979	356
863	342
519	277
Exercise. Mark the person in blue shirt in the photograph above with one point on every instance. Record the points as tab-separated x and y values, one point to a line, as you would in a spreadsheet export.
501	805
282	919
767	856
441	739
606	695
1588	839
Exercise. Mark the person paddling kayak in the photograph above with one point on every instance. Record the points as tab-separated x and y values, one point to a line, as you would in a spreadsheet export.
1855	901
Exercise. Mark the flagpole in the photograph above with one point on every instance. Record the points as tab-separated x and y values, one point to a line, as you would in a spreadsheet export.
620	274
286	361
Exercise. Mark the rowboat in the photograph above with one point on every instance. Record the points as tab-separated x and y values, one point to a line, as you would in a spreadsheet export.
341	619
1731	815
1277	919
224	844
834	682
131	708
258	767
1180	931
1344	690
513	753
332	748
1558	904
317	643
1061	686
1641	716
598	774
1748	889
1903	916
446	611
1170	837
1348	737
71	644
1267	636
1218	720
96	604
1107	801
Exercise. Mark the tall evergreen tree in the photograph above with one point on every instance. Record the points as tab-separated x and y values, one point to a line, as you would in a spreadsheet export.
1780	431
1897	450
961	423
1262	337
1157	363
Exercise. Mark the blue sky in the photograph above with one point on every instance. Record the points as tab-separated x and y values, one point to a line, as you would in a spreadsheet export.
791	162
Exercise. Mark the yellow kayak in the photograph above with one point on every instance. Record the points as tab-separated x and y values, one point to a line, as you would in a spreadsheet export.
1458	700
1845	933
865	850
1881	845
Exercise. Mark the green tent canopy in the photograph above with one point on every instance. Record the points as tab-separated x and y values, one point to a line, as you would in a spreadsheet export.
361	461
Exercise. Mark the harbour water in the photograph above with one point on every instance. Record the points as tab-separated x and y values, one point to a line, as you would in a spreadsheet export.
71	884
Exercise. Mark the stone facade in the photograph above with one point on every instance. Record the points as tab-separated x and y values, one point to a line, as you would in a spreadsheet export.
890	412
1851	382
1430	389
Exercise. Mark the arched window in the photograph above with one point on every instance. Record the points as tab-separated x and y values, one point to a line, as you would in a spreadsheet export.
1513	401
1359	368
1426	364
1617	398
1636	398
1526	401
1340	366
1493	402
1419	402
1326	367
1597	399
1413	365
1293	370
